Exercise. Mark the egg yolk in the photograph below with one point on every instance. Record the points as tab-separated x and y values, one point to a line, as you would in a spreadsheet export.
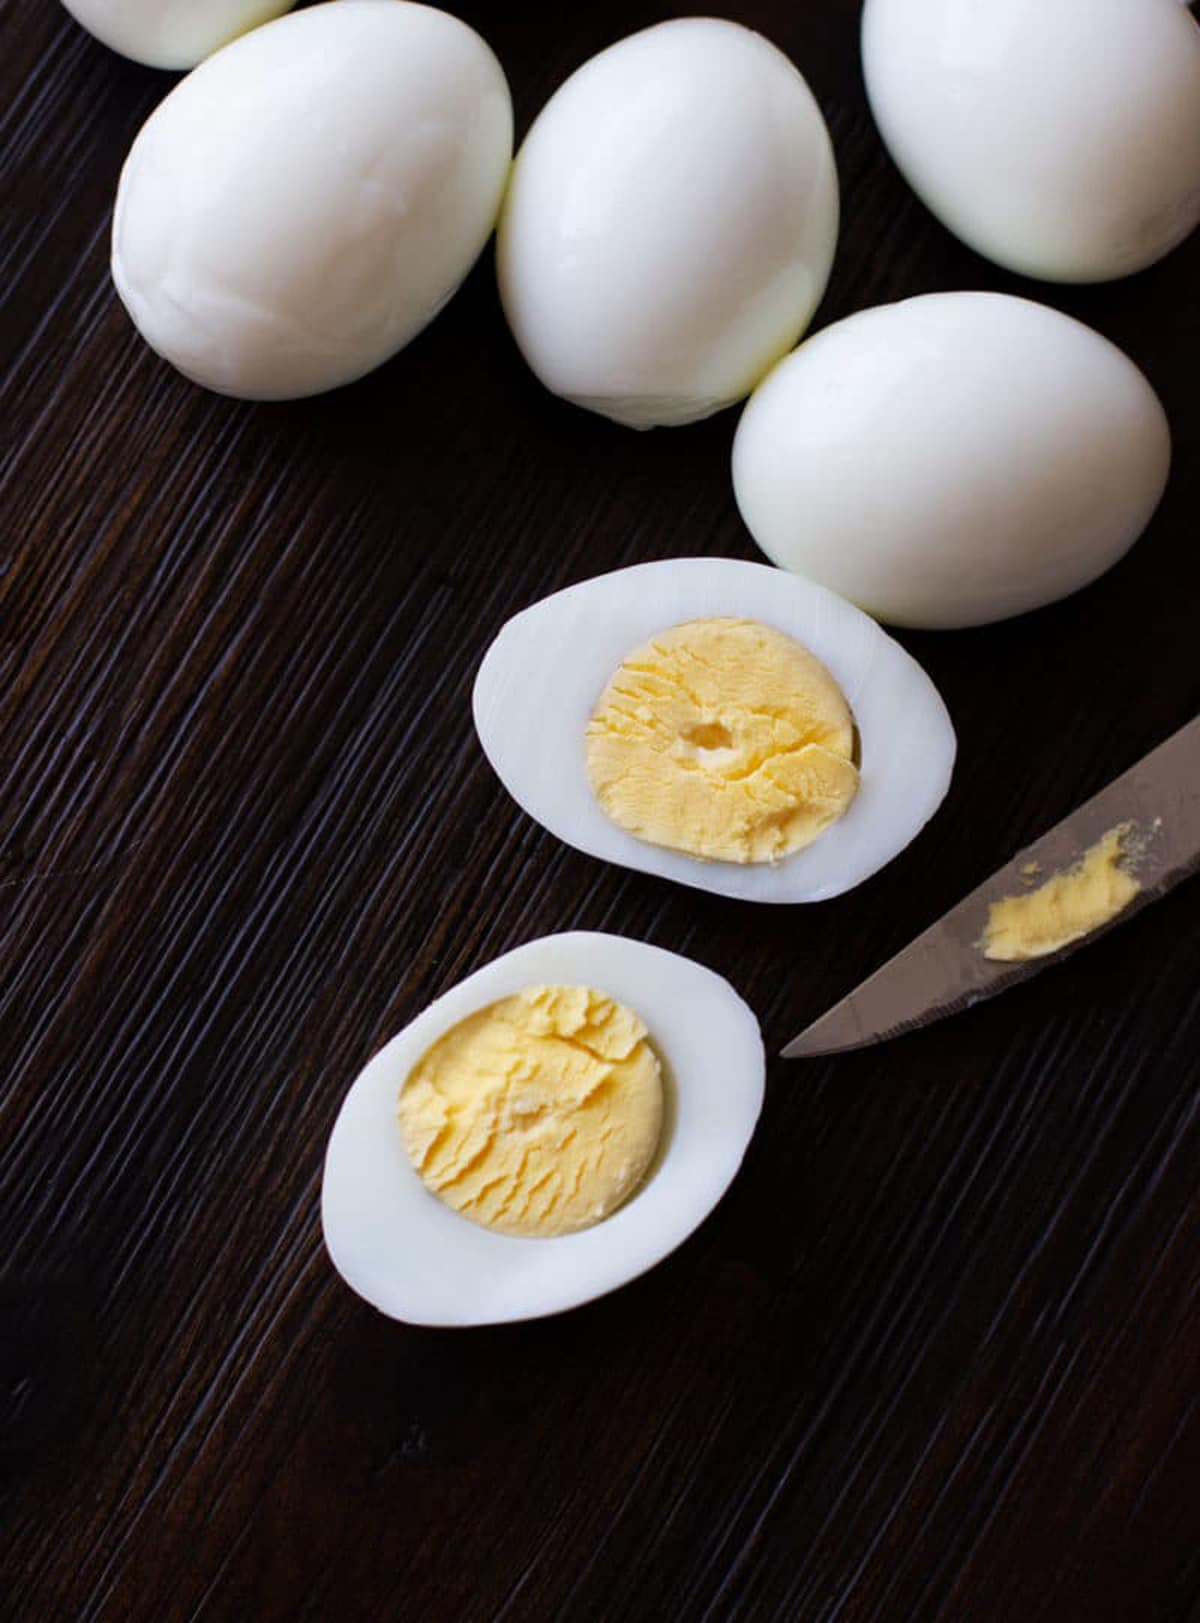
538	1115
723	739
1069	906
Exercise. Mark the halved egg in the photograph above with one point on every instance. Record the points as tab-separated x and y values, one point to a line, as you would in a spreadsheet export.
530	1081
720	723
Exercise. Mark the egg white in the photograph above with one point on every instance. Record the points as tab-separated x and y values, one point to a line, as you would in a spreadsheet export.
541	678
415	1259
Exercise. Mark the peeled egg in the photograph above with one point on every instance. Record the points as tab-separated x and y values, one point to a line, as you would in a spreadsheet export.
308	199
1060	138
171	33
416	1259
543	677
952	459
670	224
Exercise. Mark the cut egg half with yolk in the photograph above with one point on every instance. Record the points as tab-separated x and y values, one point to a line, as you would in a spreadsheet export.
544	1132
719	723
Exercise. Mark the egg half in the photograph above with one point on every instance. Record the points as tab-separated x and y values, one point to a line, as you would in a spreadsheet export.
952	459
171	33
308	199
416	1259
1060	138
670	223
543	677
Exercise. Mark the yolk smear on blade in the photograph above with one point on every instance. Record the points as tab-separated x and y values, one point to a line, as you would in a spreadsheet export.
1069	906
724	739
538	1115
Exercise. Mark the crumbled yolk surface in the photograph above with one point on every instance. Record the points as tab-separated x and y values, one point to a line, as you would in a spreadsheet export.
1066	908
723	739
538	1115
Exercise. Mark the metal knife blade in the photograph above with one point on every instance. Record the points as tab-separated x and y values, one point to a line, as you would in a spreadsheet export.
944	969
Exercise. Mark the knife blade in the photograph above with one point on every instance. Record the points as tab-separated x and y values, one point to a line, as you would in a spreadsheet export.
945	970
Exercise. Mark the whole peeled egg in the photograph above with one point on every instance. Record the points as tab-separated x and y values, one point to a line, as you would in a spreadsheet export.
953	459
670	223
171	33
307	200
1060	138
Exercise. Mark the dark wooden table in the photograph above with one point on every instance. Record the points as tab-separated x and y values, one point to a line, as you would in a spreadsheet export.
936	1356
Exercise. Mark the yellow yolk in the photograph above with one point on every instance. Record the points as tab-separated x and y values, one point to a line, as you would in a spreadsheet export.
723	739
1066	908
538	1115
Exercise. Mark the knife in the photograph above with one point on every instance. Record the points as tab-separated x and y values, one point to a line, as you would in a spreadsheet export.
945	969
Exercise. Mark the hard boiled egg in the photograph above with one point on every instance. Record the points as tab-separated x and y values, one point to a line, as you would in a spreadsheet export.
308	199
951	459
171	33
670	224
705	705
1058	137
416	1258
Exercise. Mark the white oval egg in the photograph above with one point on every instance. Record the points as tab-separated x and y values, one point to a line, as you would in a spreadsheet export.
670	224
543	674
953	459
1060	138
415	1259
308	199
171	33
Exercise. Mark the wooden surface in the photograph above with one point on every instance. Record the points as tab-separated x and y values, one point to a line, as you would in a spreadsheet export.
934	1357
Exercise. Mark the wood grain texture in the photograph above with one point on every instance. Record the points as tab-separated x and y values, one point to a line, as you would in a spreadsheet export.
935	1356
